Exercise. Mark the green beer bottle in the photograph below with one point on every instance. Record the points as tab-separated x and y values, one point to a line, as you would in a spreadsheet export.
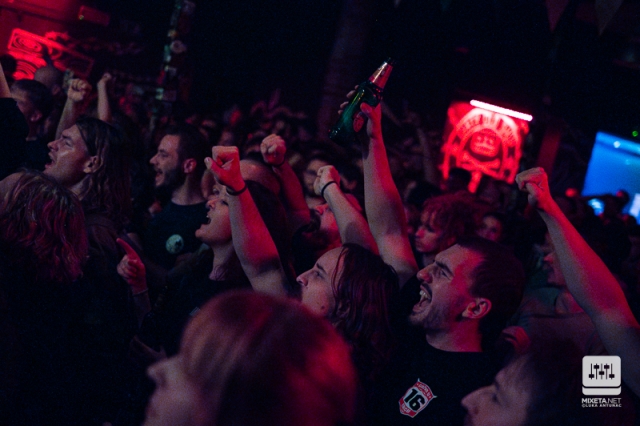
351	120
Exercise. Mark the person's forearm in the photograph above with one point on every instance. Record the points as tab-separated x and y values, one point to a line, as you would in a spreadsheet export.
104	107
293	194
70	114
588	278
352	225
254	246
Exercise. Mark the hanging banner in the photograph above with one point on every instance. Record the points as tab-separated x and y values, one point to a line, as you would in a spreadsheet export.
483	142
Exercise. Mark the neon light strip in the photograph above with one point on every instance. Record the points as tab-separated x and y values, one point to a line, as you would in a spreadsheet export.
501	110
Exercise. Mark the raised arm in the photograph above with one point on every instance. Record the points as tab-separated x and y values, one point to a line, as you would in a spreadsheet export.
588	279
104	107
352	225
77	96
273	149
383	204
251	239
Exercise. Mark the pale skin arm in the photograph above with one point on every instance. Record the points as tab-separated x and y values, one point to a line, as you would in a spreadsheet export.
588	279
77	96
352	225
104	108
251	239
383	203
273	149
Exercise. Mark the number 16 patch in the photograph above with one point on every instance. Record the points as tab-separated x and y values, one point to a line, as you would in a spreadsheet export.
415	399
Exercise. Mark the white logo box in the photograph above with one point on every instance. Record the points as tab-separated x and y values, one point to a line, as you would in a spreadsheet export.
601	375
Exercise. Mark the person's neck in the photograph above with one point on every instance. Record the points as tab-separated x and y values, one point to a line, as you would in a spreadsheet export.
187	194
221	256
460	340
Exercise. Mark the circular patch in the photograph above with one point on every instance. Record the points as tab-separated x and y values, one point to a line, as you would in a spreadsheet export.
174	244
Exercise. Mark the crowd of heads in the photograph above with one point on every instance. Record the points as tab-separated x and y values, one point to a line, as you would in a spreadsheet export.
253	359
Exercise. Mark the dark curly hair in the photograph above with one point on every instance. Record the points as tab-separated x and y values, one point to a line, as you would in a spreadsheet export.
455	215
42	228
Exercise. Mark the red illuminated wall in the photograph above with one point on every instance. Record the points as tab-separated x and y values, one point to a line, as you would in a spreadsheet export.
36	18
483	142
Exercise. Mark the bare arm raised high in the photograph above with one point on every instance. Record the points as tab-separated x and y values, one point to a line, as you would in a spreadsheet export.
588	279
251	239
352	225
383	203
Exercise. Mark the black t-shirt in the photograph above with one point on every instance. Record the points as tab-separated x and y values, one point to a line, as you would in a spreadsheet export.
171	233
424	385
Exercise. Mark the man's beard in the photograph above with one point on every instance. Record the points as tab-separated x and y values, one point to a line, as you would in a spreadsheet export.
173	179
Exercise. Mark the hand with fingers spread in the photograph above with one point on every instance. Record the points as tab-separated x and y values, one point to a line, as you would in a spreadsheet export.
273	149
131	269
224	163
534	182
326	175
78	90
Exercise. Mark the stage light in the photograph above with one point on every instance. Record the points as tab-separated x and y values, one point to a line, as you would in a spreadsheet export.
500	110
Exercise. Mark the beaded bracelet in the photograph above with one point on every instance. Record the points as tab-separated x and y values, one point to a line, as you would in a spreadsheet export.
238	192
325	187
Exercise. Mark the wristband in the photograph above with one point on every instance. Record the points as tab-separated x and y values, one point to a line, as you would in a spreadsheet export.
141	292
325	187
238	192
284	160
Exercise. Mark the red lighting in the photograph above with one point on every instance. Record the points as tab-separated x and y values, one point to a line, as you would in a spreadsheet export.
500	110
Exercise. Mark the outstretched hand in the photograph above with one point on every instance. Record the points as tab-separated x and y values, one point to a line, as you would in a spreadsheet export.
273	149
224	163
535	183
131	268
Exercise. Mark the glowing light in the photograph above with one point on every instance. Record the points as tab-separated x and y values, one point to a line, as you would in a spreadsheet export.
616	144
634	133
501	110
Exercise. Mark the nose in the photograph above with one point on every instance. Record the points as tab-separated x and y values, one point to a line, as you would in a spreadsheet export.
470	402
424	275
53	145
155	371
302	279
153	160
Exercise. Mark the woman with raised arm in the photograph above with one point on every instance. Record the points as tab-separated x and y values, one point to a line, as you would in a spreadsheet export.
349	285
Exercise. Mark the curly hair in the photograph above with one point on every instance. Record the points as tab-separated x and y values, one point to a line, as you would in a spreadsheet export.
42	228
363	290
108	188
455	215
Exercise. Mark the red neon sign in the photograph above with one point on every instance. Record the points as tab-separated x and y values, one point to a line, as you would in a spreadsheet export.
485	141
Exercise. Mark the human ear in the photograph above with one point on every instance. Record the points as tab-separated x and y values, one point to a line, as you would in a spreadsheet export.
189	165
477	308
92	164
